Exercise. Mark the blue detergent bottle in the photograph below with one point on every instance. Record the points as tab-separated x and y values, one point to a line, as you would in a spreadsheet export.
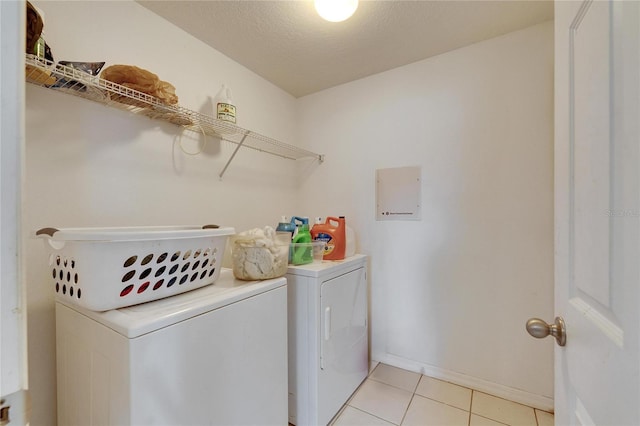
298	221
286	226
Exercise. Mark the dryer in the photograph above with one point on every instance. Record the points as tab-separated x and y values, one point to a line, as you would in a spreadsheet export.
328	337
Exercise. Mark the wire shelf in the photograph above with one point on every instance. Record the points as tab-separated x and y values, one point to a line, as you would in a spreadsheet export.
78	83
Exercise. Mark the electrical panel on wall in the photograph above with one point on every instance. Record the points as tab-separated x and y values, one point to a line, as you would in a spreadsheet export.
398	193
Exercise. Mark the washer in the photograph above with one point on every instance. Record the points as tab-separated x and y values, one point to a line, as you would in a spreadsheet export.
215	355
328	337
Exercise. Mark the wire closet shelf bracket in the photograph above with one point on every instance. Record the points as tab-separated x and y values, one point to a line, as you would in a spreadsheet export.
78	83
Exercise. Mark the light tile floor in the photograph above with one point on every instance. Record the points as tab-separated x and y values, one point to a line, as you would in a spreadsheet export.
393	396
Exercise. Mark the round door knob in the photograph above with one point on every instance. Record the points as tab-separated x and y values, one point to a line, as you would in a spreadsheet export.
540	329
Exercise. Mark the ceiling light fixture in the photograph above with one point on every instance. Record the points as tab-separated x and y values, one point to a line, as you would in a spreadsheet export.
335	10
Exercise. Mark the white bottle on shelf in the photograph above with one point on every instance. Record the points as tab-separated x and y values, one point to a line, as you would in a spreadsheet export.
40	48
225	109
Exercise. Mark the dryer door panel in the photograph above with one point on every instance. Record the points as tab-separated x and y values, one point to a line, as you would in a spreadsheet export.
344	356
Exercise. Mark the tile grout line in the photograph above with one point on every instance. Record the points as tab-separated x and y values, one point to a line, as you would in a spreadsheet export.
443	403
372	415
493	420
393	386
473	391
407	409
505	399
470	407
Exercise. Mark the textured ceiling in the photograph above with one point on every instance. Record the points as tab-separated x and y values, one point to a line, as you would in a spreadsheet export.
287	43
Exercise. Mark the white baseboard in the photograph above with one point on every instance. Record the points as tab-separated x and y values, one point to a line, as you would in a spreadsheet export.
532	400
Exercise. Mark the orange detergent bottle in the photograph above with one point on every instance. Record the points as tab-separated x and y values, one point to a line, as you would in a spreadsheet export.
333	233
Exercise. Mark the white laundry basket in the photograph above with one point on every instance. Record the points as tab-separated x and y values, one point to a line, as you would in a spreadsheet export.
109	268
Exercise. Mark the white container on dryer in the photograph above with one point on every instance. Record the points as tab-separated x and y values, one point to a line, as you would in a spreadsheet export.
328	337
216	355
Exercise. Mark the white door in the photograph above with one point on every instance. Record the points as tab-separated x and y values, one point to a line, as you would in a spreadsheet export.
13	354
597	211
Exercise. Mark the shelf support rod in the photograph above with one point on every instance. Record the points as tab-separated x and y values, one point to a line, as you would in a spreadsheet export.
233	155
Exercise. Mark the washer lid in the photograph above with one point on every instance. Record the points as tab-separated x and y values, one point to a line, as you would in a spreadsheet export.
134	321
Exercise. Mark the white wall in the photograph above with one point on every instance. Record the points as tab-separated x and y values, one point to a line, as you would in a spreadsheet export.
90	165
452	292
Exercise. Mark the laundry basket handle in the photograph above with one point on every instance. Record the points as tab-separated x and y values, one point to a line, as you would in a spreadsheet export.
47	231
